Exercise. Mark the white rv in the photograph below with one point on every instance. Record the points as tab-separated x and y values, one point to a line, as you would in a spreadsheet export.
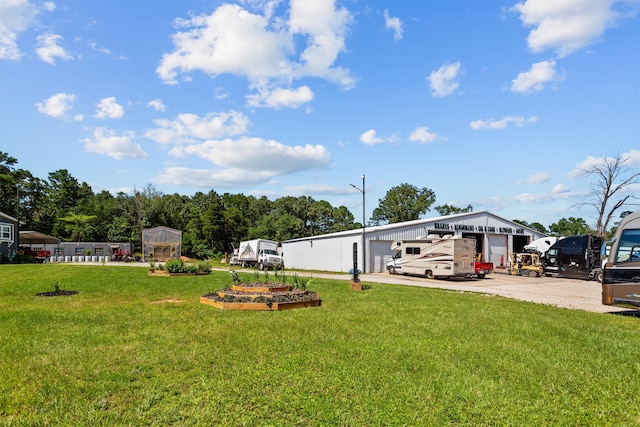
431	257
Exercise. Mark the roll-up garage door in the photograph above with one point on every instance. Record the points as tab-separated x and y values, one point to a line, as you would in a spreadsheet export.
380	253
498	250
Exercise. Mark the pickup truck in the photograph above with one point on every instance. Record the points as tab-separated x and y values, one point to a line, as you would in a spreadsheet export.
481	269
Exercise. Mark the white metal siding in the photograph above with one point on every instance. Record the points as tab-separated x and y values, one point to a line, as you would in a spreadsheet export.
322	254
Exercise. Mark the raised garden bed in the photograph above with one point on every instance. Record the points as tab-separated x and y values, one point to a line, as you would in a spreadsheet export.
258	296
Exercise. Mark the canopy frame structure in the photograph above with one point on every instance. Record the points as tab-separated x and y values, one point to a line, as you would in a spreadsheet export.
31	238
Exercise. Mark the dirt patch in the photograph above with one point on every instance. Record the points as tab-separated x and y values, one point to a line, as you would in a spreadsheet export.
165	301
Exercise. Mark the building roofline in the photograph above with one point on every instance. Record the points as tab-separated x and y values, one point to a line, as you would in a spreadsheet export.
9	217
386	227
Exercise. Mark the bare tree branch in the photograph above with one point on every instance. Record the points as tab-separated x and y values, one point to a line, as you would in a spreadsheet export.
611	179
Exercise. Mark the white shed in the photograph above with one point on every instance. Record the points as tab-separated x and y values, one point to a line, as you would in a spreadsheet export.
496	238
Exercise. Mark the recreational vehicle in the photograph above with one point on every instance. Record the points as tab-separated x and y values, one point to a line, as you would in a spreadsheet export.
431	257
621	278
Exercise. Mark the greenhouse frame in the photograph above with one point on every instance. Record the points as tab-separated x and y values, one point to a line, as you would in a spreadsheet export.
161	244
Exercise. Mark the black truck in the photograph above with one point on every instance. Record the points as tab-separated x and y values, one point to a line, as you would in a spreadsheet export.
576	257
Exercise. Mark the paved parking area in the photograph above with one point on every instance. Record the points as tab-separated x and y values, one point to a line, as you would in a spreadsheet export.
567	293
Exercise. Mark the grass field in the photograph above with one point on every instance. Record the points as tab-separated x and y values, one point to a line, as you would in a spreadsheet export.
129	349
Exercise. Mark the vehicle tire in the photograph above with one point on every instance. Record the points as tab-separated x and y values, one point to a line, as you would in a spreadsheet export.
392	270
260	266
598	277
429	274
533	273
480	276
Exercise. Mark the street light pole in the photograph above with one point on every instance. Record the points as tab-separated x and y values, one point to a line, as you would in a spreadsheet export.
18	204
17	216
364	250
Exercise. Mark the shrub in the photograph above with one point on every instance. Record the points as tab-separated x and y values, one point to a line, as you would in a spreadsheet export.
203	267
175	266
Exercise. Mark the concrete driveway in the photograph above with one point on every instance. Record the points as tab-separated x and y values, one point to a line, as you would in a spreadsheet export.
566	293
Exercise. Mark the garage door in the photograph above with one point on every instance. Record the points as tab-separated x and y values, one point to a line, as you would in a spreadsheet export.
380	253
498	250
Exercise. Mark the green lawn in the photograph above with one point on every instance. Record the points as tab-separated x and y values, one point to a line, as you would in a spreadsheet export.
387	356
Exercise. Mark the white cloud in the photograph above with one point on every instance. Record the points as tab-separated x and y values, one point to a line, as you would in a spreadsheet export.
560	188
157	105
49	6
369	137
502	123
393	24
109	143
94	46
16	17
325	28
538	178
245	161
262	48
220	93
318	189
189	128
535	79
566	26
58	105
108	108
261	155
632	160
444	81
422	134
48	49
211	178
280	97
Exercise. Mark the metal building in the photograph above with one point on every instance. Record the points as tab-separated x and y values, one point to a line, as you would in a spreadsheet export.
496	238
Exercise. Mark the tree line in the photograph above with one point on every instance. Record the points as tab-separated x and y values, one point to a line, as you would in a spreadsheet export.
213	223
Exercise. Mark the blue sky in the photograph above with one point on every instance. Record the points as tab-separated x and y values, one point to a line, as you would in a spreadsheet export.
495	104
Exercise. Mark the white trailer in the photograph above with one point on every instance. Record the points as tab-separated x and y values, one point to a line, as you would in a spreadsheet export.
260	253
439	257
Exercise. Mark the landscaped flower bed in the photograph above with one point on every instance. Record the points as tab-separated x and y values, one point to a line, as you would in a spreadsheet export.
262	296
177	267
57	292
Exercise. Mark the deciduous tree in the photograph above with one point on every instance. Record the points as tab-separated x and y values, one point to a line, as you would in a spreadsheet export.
570	227
403	203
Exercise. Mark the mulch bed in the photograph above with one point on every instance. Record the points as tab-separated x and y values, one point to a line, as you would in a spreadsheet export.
57	293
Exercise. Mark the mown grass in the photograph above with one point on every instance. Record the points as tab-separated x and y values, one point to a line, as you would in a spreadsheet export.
388	356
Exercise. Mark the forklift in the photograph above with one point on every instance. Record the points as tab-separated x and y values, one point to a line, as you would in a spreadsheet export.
525	264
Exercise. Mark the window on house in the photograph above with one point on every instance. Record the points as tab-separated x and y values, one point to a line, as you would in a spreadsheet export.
99	251
58	251
5	232
79	251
